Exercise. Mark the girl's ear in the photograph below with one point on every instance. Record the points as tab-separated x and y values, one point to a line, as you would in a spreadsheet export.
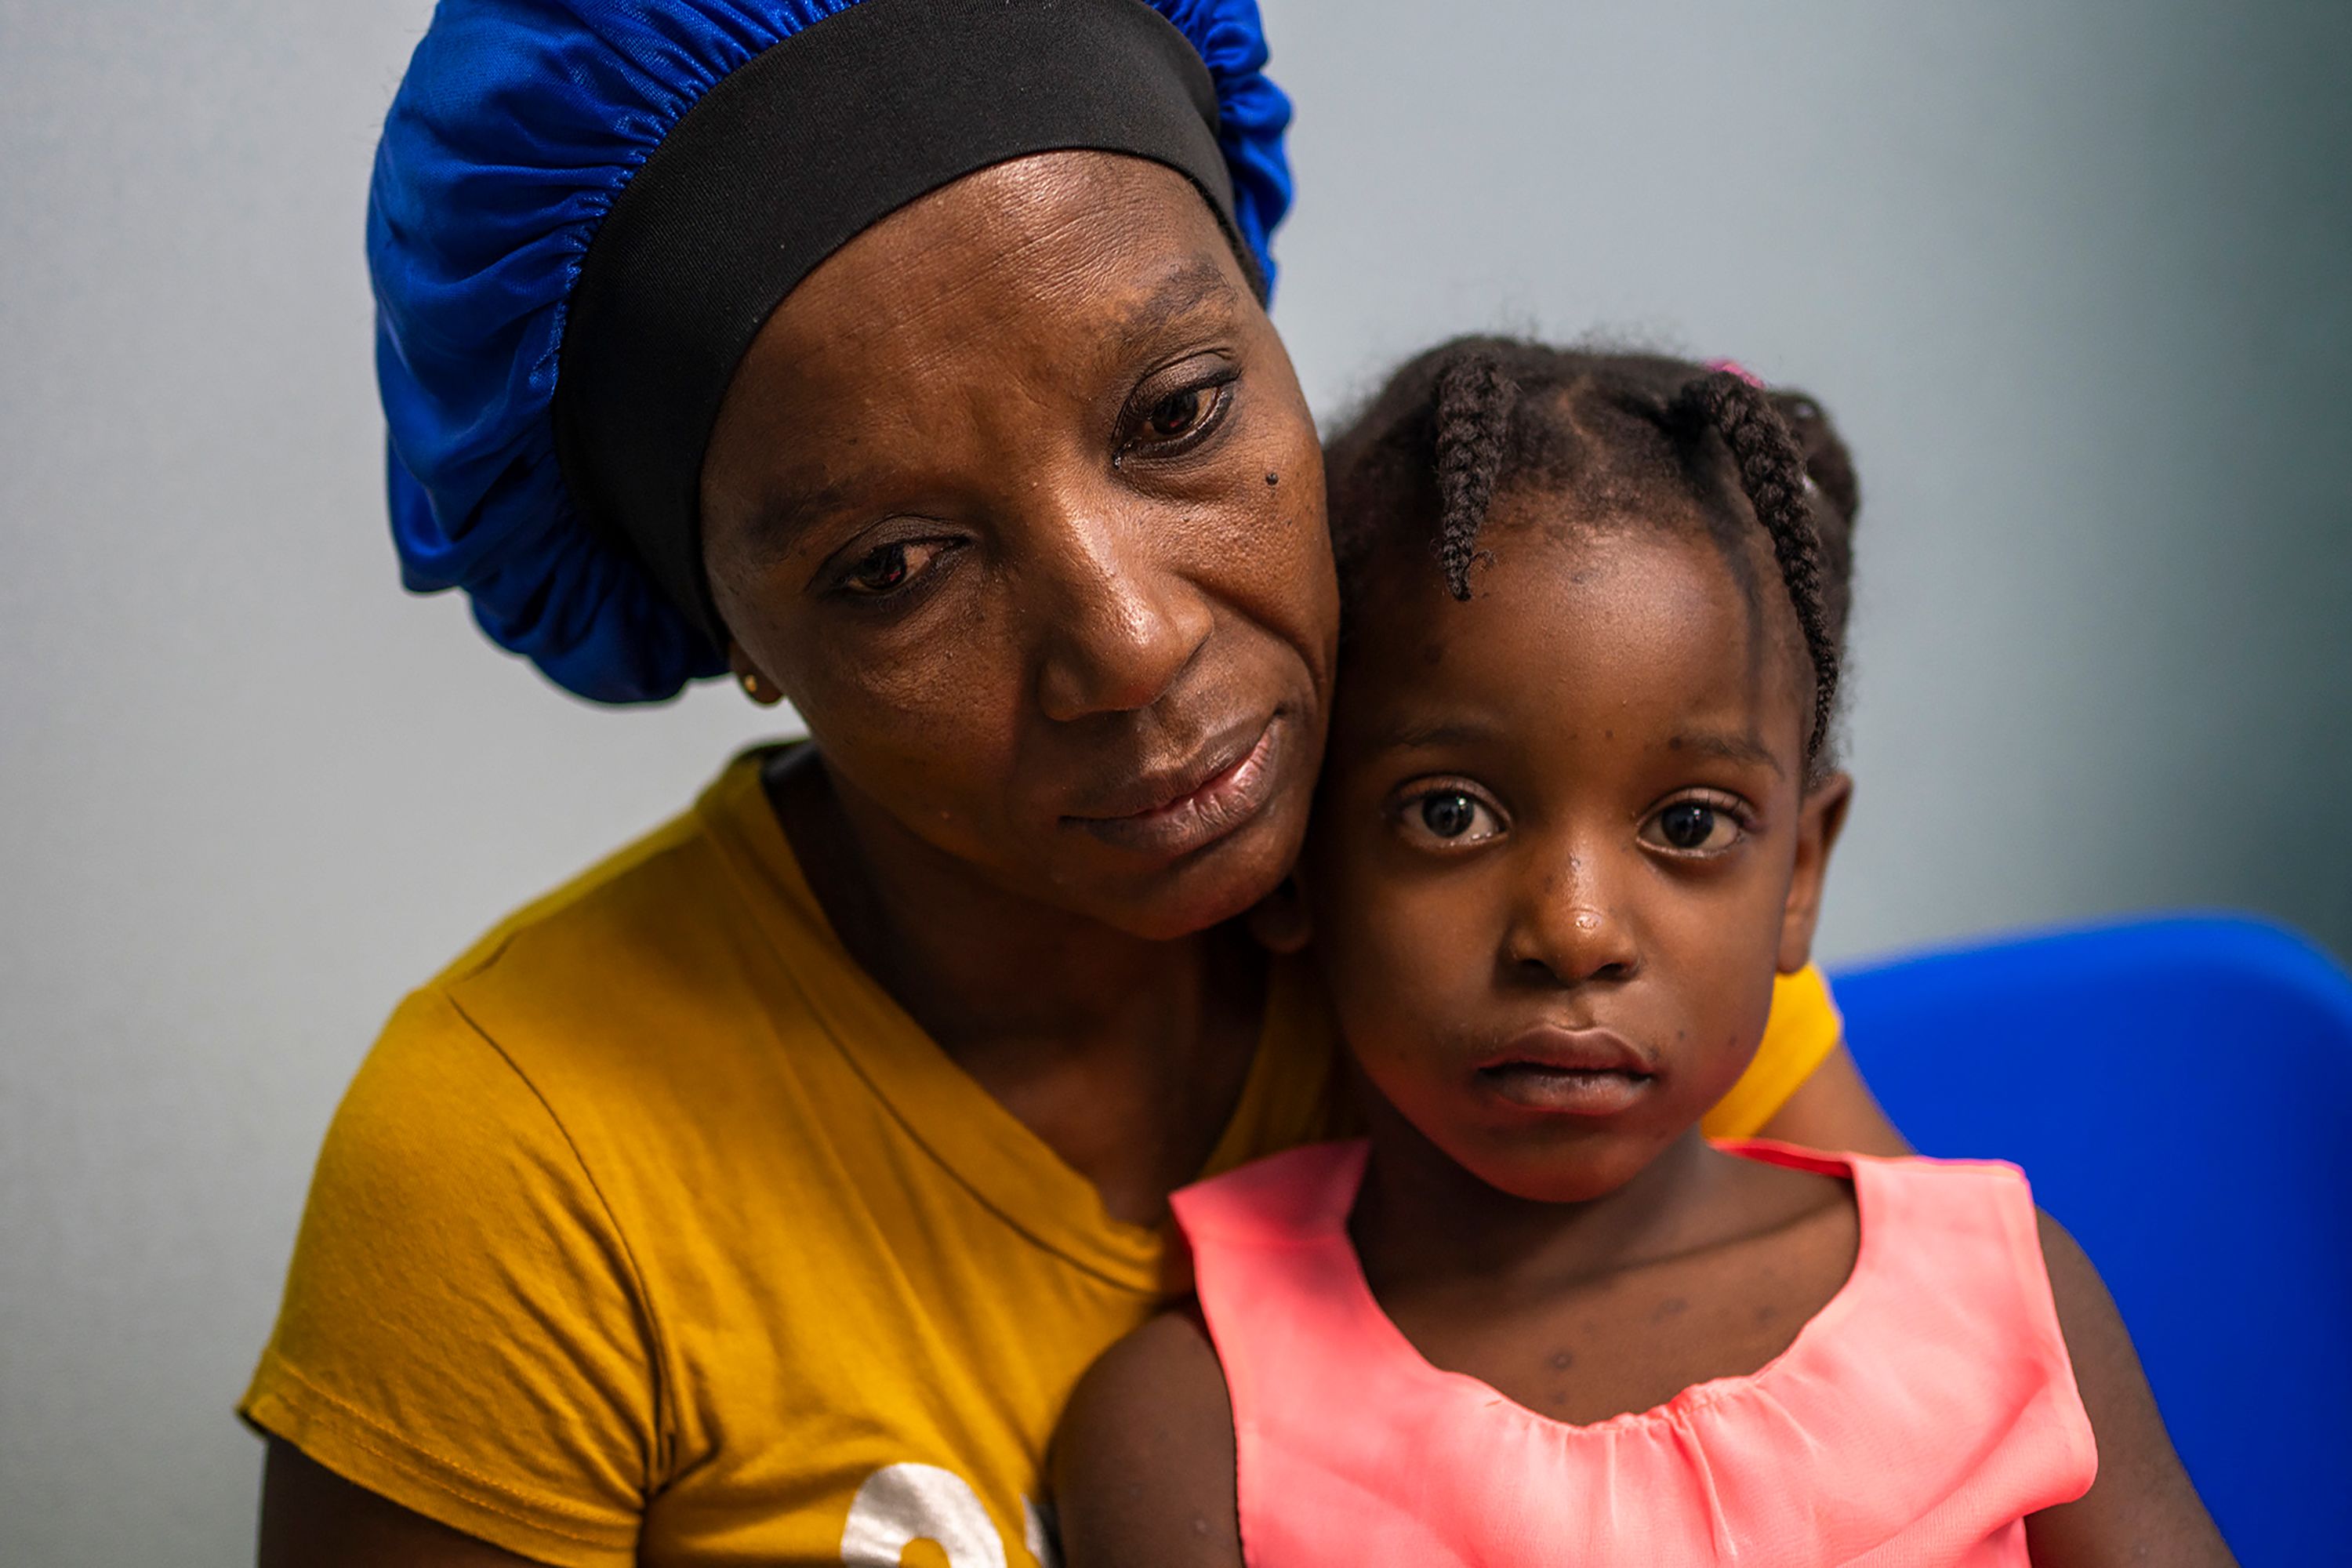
1279	921
1821	819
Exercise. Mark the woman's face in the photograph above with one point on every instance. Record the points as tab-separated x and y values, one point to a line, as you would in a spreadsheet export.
1017	500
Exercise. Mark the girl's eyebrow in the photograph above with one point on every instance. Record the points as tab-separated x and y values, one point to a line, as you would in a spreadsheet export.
1740	746
1406	735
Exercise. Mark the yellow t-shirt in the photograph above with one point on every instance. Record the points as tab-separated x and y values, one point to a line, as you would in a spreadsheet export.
654	1231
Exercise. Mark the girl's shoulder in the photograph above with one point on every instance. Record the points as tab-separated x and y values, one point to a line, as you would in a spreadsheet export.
1899	1195
1144	1462
1962	1238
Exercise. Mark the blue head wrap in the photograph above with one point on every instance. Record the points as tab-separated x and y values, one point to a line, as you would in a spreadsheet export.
518	127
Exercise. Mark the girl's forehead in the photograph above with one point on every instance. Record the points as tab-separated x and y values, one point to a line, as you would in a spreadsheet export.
1569	624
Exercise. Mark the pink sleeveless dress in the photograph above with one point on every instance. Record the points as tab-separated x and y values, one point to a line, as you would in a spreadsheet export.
1915	1420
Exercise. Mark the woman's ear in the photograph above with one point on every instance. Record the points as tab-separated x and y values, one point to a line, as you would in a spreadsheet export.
1279	921
1820	821
756	686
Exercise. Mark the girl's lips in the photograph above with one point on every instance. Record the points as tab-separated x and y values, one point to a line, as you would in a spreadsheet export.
1574	1072
1228	796
1566	1091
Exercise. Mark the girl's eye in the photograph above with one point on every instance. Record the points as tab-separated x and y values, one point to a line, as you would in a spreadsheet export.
1450	817
890	567
1693	828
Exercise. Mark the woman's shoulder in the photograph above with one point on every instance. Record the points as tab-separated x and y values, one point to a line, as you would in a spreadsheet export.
638	910
699	935
570	1068
544	1139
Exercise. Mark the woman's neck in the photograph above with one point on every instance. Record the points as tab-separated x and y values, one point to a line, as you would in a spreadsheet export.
1126	1056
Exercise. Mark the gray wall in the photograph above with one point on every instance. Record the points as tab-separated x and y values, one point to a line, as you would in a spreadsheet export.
2077	281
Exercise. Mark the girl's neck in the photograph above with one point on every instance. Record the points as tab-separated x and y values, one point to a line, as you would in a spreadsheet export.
1422	1216
1125	1055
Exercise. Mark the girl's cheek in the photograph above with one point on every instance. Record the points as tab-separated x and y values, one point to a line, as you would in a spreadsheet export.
1414	969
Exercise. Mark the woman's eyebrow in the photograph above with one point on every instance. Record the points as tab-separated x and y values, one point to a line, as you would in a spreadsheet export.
785	516
1192	285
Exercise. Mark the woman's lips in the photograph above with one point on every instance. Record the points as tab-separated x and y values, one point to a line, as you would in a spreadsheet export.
1228	784
1572	1072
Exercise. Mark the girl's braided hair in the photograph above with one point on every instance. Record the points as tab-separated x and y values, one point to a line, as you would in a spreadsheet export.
1616	434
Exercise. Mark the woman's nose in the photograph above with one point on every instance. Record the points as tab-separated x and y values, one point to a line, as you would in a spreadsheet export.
1120	622
1570	927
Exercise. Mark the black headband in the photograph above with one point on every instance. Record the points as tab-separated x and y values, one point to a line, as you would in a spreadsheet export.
790	157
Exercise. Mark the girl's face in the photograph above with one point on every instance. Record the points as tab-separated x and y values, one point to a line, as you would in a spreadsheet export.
1017	500
1564	844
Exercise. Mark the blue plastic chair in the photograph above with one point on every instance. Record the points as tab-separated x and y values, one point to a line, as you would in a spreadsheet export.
2179	1091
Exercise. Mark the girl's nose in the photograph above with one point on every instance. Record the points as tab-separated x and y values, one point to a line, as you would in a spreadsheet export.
1120	622
1568	929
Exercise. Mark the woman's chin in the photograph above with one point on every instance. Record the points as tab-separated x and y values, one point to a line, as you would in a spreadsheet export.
1216	883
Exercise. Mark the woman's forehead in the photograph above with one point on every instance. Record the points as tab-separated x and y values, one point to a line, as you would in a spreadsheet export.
1044	270
1095	232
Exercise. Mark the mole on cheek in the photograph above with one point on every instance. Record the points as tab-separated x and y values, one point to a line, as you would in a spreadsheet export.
1274	478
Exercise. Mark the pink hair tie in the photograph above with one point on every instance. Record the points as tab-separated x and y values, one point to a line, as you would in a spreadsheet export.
1752	379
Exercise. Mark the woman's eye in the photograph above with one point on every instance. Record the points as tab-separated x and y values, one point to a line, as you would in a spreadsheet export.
1692	828
1450	817
888	568
1172	415
1178	421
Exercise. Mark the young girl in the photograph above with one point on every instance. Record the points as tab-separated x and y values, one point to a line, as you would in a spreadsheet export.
1575	817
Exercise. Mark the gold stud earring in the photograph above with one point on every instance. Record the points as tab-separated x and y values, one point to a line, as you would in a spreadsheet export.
751	680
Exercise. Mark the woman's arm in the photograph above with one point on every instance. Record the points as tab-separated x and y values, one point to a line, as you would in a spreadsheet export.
2141	1510
1143	1464
1832	1109
313	1517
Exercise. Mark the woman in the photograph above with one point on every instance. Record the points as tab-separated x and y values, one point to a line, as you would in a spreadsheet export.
760	1195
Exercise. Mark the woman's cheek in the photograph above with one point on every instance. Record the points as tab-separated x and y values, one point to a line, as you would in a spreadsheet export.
923	718
1274	553
946	660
